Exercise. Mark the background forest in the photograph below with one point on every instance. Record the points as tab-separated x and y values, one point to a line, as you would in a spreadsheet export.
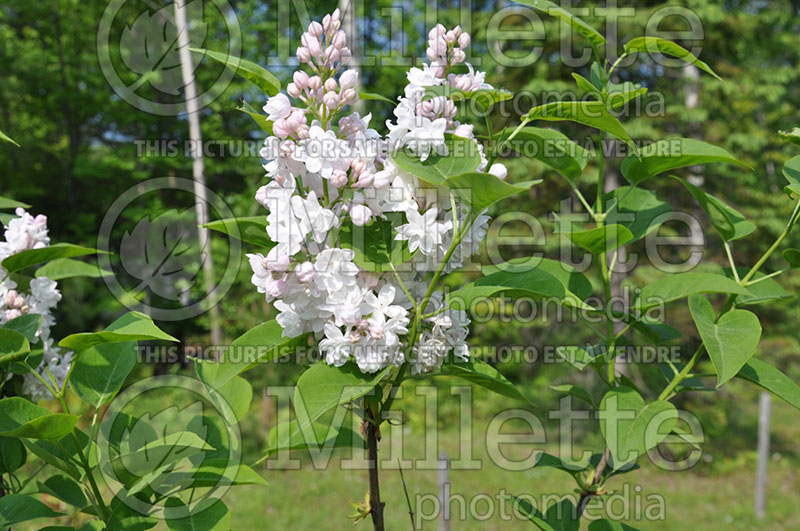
81	149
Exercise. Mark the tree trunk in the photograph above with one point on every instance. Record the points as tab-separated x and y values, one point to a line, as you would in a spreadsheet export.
198	166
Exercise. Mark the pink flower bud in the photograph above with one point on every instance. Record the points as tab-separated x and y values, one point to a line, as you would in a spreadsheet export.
338	178
300	79
464	131
330	85
315	83
464	40
365	179
339	40
303	54
360	214
315	48
277	288
305	272
331	100
349	96
450	37
348	79
459	56
293	90
430	53
277	259
326	22
457	31
281	129
315	29
499	171
334	57
382	180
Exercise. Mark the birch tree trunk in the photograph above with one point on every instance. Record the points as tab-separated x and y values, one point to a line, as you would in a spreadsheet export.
198	166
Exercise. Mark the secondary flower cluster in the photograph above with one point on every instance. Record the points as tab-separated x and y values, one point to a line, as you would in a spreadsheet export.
22	233
330	174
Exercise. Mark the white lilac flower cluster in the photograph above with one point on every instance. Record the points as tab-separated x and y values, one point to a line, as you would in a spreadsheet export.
328	169
22	233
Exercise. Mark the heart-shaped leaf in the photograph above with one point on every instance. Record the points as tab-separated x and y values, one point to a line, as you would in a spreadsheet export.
771	379
731	341
728	221
630	426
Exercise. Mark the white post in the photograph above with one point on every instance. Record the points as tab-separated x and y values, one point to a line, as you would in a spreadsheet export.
763	452
198	166
444	488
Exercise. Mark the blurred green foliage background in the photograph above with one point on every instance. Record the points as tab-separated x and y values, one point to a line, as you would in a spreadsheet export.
79	153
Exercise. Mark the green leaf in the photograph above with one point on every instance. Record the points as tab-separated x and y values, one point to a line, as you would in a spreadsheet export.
574	390
133	326
13	346
631	427
100	371
673	287
544	278
12	454
554	10
68	268
258	118
580	357
549	147
604	524
22	418
251	229
27	325
123	517
731	341
602	239
793	136
591	113
586	85
7	138
481	190
232	397
374	245
560	516
252	72
322	387
792	256
620	94
10	204
61	454
763	291
462	157
65	489
730	224
791	170
372	96
637	209
258	345
653	45
21	260
671	154
159	451
483	374
17	508
214	517
773	380
485	98
295	436
211	473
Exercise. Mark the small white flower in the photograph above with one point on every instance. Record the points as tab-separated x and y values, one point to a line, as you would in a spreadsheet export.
278	107
427	136
422	231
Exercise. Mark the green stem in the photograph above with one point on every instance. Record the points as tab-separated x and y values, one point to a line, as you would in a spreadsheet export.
775	245
100	506
500	147
665	394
